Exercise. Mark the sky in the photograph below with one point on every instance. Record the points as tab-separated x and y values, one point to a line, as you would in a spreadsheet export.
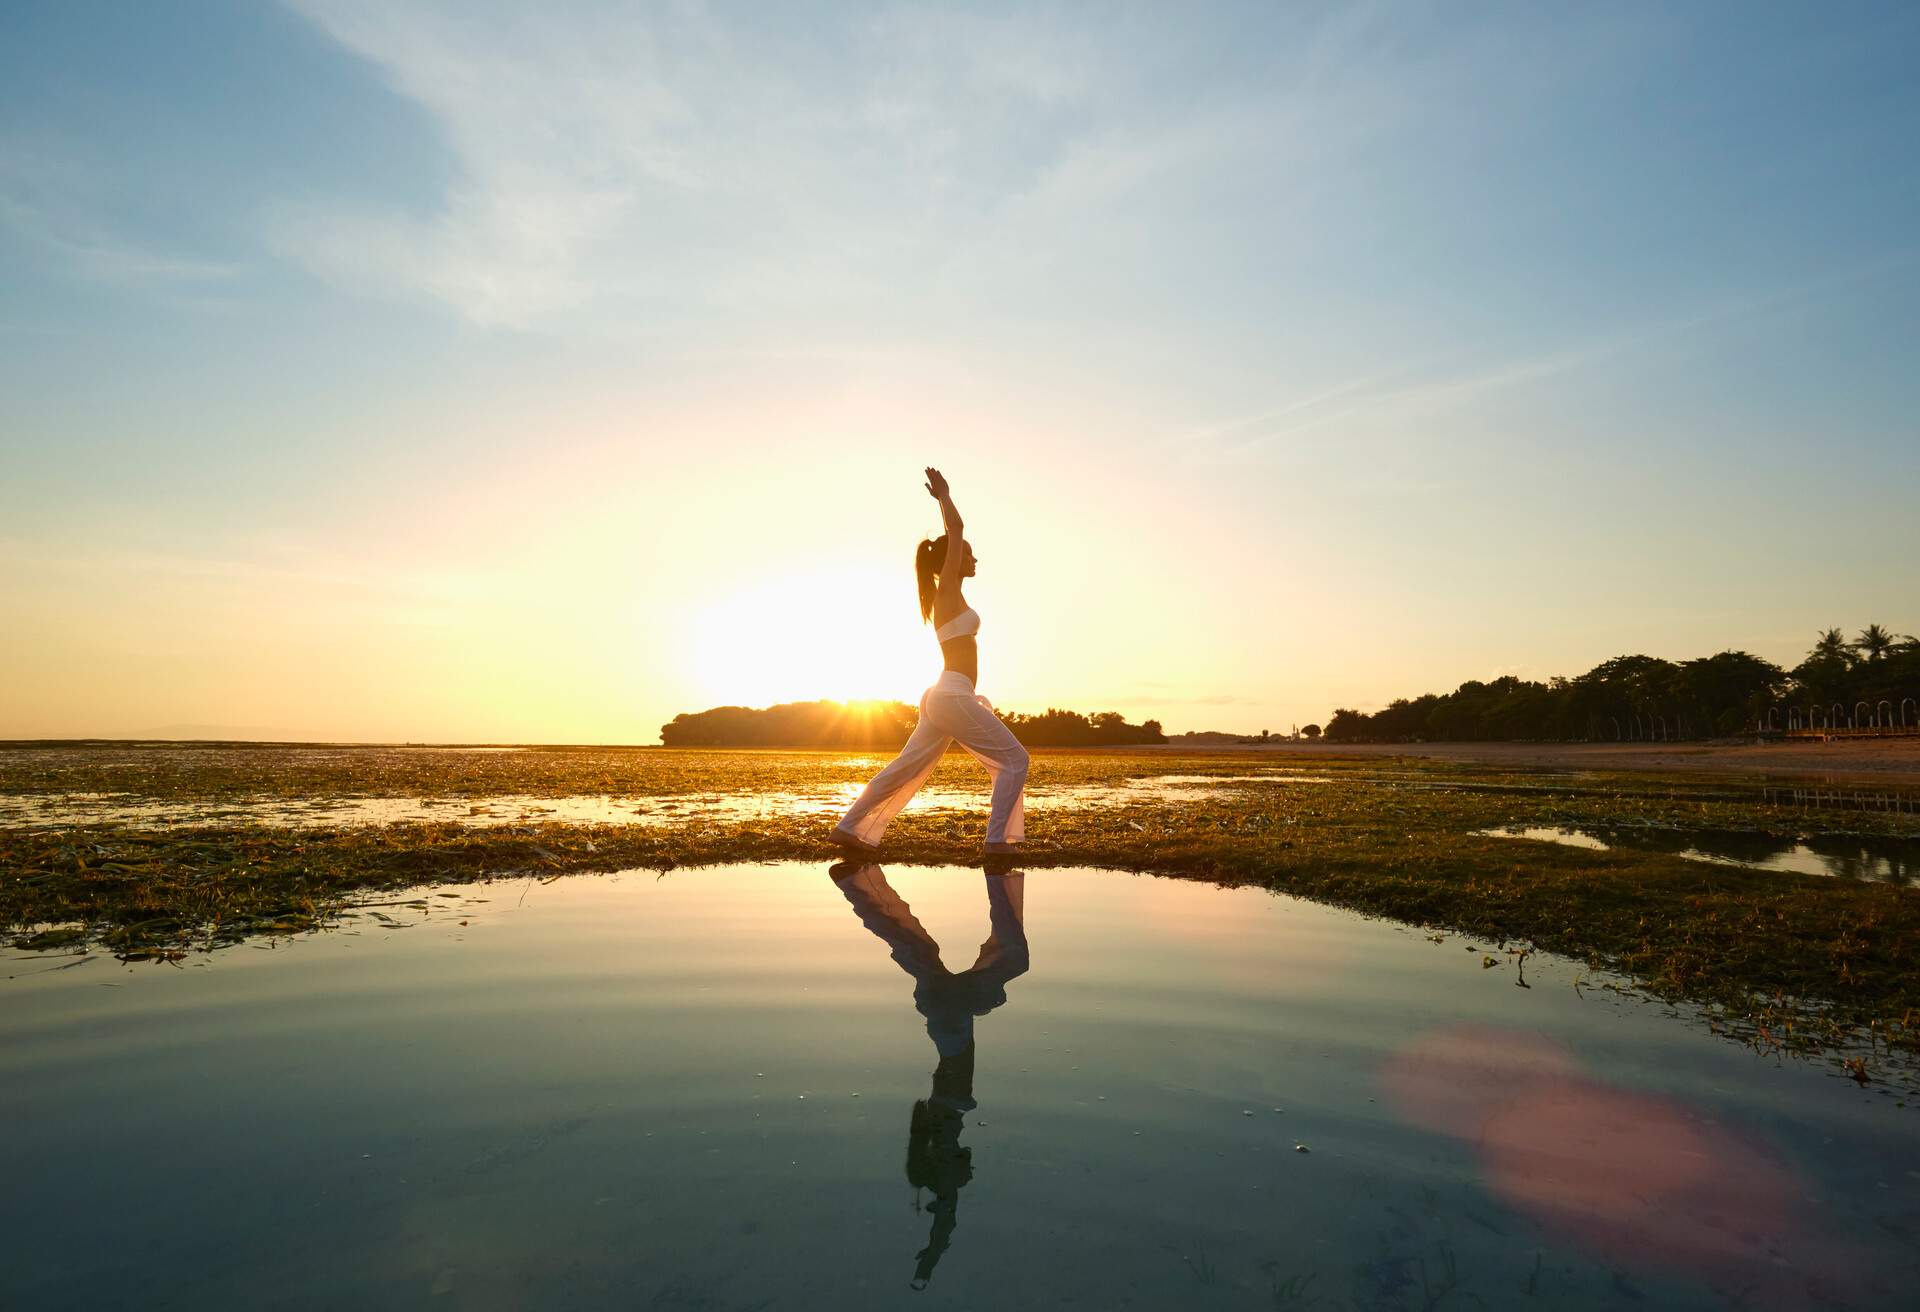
469	371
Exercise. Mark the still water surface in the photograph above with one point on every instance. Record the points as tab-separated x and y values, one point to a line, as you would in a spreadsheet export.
768	1087
1843	856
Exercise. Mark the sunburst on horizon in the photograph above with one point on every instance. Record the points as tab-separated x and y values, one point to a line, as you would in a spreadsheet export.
847	635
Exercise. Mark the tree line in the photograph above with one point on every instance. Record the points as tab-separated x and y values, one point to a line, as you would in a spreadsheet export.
884	726
1645	697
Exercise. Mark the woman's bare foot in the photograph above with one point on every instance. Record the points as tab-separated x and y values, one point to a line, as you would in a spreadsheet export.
841	838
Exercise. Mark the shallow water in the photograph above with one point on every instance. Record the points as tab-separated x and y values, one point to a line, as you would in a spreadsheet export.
371	803
125	810
699	1091
1843	856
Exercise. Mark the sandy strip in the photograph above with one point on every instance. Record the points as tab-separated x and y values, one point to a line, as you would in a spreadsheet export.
1890	760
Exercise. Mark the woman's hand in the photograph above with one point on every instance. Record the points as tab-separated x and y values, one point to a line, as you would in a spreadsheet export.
949	516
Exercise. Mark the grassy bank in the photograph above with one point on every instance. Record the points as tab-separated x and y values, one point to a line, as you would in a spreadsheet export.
1808	956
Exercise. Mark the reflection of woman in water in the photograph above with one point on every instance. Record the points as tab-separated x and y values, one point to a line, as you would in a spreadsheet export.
950	711
936	1161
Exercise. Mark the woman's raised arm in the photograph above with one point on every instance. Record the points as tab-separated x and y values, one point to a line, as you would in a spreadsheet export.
950	518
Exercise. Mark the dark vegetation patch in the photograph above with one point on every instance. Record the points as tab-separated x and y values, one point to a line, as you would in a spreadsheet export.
884	726
1871	682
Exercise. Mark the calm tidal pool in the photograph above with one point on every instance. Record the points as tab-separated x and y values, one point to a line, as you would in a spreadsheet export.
768	1087
1843	856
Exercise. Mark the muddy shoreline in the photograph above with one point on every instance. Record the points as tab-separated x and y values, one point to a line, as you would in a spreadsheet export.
1890	760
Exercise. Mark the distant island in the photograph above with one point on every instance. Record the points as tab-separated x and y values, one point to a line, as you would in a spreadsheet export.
1869	684
884	726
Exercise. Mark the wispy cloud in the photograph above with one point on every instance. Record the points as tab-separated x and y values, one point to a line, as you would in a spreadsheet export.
53	202
1387	400
1418	390
1266	423
657	155
652	152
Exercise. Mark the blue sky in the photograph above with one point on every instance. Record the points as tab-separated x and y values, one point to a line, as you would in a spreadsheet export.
458	370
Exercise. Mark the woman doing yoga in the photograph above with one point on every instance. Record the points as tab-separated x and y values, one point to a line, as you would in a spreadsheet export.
950	711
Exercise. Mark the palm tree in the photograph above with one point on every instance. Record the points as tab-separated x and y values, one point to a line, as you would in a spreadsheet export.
1874	640
1833	643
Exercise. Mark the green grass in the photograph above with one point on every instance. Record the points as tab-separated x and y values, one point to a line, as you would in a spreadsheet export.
1807	959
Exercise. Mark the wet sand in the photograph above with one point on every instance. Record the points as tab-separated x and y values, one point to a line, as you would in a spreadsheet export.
1886	759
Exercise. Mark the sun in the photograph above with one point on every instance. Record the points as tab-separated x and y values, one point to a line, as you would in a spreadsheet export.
848	635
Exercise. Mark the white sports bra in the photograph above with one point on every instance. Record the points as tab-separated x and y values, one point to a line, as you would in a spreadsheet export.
963	625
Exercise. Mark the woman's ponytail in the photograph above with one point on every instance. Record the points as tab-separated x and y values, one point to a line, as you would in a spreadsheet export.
927	561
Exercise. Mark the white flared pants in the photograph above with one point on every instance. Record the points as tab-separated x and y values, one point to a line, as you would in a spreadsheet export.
950	712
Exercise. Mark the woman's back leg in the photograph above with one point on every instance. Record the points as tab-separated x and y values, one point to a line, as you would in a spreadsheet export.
886	793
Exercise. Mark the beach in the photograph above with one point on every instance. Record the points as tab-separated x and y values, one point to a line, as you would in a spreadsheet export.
1885	758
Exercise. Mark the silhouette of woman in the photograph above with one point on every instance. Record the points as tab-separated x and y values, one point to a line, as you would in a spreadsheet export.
950	711
936	1161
